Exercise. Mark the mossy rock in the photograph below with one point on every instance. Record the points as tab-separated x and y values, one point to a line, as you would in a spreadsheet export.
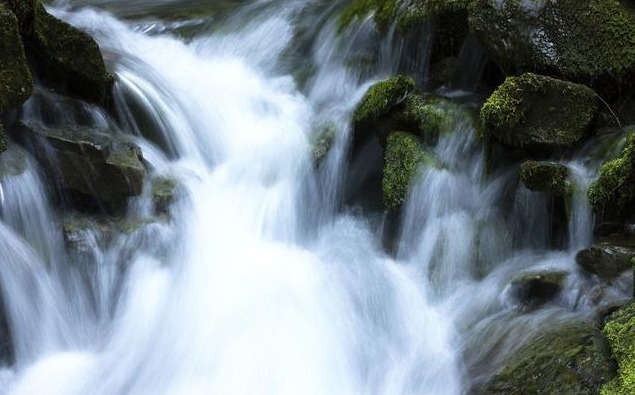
403	157
322	142
16	83
615	185
381	97
591	41
63	57
539	112
570	358
620	331
444	72
605	259
541	176
91	162
164	193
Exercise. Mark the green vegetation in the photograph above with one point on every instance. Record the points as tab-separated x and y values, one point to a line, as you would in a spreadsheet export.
620	331
615	185
539	111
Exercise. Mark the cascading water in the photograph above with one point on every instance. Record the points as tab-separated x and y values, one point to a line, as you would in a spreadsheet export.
259	283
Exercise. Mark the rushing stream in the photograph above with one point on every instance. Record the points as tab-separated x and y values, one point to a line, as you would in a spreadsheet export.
263	282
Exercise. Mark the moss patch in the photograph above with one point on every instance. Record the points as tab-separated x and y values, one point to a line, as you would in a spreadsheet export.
539	111
620	331
403	157
616	183
545	177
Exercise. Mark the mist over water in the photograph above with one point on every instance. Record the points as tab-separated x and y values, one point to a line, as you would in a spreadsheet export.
262	281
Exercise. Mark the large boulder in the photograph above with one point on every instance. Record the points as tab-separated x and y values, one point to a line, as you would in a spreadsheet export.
606	260
620	331
591	41
63	57
569	358
16	83
542	176
615	187
539	112
96	163
532	290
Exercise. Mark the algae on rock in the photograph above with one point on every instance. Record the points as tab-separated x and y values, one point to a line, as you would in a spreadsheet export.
538	111
16	83
620	331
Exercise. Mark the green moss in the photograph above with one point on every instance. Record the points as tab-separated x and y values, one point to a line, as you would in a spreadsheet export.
382	97
616	181
585	41
322	141
620	331
541	111
545	177
403	157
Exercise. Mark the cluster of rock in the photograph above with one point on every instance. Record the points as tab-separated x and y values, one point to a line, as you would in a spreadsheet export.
563	73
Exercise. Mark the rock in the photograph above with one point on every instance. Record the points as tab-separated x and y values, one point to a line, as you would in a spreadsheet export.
382	97
164	193
321	143
403	156
614	188
606	260
63	57
545	177
532	290
590	41
92	162
423	116
16	83
539	112
570	358
444	72
620	332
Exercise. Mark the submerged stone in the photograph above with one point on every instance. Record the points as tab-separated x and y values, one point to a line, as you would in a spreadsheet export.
537	111
591	41
620	331
535	289
569	358
93	162
545	177
606	260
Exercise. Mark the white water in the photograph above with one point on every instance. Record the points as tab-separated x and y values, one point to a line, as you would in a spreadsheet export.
260	284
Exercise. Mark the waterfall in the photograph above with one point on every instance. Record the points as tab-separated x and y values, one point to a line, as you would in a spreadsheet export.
259	279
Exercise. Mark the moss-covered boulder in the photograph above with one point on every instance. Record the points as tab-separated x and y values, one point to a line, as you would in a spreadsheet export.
378	101
321	143
614	188
165	191
570	358
591	41
16	83
63	57
542	176
620	331
539	112
532	290
91	162
606	260
403	156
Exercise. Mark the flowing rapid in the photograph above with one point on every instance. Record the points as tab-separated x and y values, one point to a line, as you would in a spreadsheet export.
261	281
